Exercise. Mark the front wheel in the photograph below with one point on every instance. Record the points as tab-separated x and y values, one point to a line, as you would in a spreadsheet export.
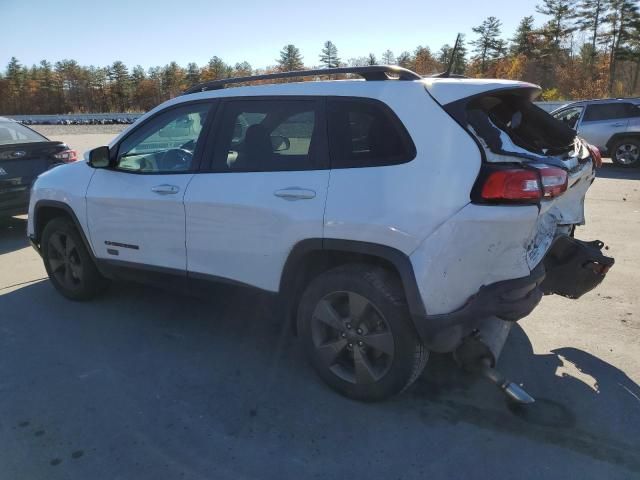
68	263
356	330
626	152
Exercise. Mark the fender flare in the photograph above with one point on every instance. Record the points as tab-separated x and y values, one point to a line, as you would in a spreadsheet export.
40	204
617	136
395	257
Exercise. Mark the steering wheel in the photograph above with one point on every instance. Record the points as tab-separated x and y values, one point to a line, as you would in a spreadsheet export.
176	159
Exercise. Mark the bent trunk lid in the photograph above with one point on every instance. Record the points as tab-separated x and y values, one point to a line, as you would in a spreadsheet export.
510	129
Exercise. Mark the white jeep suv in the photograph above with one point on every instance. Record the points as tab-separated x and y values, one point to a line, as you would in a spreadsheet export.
393	215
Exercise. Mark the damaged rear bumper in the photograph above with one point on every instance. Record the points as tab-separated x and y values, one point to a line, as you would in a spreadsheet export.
574	267
570	268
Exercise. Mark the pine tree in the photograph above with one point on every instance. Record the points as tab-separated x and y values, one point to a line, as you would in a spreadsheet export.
193	74
459	62
120	85
329	56
173	80
290	59
523	41
489	45
388	58
47	87
15	82
216	69
589	15
622	21
559	25
243	69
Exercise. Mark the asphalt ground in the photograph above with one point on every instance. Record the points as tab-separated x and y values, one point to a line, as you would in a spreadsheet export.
146	384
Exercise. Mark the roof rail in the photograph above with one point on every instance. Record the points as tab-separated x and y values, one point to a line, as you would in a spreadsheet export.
371	72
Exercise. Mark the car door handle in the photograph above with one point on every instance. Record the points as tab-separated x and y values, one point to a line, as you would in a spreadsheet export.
165	189
619	124
295	193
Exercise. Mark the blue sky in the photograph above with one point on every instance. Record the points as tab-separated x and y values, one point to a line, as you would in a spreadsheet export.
155	32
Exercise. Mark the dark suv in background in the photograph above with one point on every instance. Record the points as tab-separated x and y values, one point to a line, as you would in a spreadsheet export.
613	125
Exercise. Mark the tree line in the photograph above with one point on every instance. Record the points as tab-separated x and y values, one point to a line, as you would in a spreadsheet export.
584	49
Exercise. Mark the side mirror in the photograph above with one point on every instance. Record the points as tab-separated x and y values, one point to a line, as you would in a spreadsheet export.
280	143
99	157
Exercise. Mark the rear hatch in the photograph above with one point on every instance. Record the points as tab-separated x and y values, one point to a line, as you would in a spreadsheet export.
513	133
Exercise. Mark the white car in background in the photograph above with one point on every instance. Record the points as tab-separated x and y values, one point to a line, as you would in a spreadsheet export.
392	216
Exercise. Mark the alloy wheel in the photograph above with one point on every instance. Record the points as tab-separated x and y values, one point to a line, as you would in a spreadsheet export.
64	260
352	338
628	153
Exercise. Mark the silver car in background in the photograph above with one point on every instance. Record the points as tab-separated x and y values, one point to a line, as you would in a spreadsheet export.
612	125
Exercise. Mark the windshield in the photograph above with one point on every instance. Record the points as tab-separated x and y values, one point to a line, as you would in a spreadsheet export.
13	132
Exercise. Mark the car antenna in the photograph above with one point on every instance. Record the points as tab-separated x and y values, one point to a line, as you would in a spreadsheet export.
447	73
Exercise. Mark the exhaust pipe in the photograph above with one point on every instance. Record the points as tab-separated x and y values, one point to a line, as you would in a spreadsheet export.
479	353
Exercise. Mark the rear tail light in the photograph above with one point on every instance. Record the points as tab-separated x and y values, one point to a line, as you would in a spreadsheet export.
520	185
596	155
67	156
554	181
512	184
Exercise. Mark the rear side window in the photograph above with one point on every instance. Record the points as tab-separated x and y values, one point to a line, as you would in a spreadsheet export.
13	132
609	111
269	135
366	133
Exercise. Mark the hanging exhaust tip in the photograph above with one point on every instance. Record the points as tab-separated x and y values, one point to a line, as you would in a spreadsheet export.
517	394
514	392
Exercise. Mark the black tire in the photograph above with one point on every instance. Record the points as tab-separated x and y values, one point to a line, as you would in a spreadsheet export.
625	152
390	356
68	263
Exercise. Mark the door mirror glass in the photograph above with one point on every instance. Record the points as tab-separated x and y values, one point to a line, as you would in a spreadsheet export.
280	143
99	157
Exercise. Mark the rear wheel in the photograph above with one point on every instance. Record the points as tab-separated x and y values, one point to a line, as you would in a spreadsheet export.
356	331
67	261
626	152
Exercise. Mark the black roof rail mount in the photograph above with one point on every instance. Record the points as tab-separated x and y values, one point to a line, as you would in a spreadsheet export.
371	72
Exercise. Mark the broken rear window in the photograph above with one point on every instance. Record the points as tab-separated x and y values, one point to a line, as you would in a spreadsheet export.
509	125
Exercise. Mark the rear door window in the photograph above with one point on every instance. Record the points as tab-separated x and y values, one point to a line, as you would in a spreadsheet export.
609	111
269	135
366	133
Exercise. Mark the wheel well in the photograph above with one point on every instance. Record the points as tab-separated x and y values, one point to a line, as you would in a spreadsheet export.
315	262
44	215
620	136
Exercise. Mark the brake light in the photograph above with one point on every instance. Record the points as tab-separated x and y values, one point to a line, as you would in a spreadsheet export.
596	155
67	156
521	185
513	184
554	181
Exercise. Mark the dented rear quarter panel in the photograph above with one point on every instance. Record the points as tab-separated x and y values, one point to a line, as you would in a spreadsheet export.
480	245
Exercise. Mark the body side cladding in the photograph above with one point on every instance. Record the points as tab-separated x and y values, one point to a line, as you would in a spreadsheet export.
169	278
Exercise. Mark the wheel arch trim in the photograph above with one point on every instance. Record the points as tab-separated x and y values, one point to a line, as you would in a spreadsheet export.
395	257
56	204
619	136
